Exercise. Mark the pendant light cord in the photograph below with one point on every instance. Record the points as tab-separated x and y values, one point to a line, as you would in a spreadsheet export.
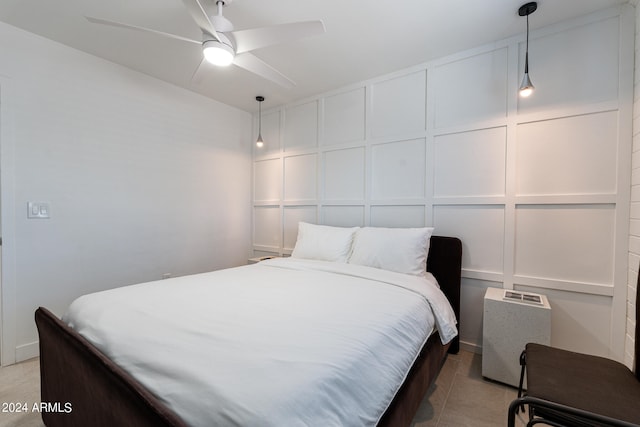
260	118
526	57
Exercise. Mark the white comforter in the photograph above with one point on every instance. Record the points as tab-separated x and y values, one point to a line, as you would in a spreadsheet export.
284	342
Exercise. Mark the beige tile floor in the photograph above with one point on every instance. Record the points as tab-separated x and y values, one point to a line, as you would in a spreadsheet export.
460	396
20	383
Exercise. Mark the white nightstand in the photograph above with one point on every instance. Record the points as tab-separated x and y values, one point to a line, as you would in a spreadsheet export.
508	325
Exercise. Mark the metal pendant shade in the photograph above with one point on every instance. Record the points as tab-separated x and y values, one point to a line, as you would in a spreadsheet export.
259	141
526	87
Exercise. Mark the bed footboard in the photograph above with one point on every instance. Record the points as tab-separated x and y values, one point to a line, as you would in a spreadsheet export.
423	373
88	388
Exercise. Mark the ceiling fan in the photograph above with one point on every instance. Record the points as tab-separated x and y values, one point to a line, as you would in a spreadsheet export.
222	46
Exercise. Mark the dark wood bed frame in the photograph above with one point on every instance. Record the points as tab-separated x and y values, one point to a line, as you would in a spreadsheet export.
101	394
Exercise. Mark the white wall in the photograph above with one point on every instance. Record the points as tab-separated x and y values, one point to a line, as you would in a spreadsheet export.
143	178
537	189
634	228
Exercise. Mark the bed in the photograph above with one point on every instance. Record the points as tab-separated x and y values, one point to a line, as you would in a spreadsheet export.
100	389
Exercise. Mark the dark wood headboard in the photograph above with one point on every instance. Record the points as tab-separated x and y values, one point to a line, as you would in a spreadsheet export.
445	263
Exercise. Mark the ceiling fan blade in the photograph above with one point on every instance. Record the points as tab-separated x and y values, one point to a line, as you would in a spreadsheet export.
257	66
198	74
256	38
144	30
197	12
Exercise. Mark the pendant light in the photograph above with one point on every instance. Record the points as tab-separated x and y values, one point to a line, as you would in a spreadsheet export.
259	141
526	87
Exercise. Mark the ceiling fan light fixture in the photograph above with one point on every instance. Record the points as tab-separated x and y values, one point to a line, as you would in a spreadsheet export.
218	53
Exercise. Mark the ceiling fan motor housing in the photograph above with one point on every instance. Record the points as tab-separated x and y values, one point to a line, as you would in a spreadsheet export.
224	39
221	24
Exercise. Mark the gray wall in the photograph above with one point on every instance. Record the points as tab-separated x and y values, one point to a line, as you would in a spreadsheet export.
142	178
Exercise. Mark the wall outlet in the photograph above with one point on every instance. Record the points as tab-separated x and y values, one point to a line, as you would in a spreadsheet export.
39	210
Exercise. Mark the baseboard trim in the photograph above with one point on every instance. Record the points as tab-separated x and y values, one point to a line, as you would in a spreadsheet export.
27	351
471	347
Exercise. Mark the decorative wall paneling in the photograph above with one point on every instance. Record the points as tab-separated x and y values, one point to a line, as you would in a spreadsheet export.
634	223
537	189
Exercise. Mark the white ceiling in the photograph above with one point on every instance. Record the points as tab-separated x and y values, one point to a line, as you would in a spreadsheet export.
363	39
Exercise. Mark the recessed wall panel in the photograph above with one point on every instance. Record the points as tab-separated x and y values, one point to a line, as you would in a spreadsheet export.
575	155
574	67
565	242
470	163
472	309
266	227
579	322
399	105
300	174
301	126
397	216
398	170
267	180
471	89
481	229
343	216
344	117
292	216
344	174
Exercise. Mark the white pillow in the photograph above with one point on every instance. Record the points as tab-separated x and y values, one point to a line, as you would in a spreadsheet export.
323	242
403	250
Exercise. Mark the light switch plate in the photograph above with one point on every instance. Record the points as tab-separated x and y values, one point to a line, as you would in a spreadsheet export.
38	210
